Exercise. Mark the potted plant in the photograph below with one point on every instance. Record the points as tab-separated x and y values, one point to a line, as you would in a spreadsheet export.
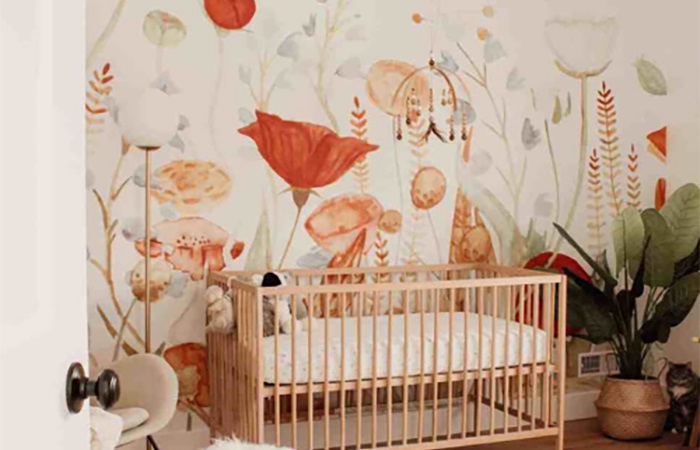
651	290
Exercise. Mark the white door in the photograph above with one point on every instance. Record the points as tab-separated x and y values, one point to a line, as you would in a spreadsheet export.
43	312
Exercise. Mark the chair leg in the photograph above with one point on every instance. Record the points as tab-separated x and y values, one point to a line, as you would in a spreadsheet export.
695	436
151	443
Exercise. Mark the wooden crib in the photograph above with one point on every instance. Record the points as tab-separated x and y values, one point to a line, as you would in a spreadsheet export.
421	357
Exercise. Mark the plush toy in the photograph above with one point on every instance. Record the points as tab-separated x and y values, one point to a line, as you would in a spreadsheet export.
219	309
283	305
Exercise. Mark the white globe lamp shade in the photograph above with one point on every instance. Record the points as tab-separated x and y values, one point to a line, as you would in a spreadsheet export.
149	120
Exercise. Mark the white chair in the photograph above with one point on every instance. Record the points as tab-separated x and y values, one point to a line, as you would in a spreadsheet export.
149	394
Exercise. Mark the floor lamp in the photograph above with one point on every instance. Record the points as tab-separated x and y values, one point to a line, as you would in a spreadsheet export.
148	122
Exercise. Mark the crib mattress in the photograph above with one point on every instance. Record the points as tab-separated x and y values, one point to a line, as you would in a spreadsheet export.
365	357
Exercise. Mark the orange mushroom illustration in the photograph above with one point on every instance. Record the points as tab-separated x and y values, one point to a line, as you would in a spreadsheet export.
337	222
191	245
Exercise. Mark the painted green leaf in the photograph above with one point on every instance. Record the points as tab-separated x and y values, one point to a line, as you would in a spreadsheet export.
658	257
535	241
682	213
650	77
557	114
164	29
260	253
628	240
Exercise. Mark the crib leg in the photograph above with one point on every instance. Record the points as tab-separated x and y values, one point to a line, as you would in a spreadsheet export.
560	436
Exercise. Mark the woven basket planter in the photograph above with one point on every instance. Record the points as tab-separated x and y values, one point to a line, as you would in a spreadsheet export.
631	410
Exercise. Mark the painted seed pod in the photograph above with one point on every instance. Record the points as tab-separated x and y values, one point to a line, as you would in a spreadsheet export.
390	221
428	188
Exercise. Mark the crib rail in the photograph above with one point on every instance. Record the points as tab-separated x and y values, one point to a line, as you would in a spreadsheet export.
425	357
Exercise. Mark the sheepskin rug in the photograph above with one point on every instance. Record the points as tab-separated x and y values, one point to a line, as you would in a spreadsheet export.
240	445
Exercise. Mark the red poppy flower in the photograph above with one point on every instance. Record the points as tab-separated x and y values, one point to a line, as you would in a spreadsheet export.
558	263
305	155
190	364
230	14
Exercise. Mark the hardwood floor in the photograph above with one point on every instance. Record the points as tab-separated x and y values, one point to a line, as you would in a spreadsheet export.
584	435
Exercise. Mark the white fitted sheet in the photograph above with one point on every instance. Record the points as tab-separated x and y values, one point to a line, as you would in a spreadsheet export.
397	347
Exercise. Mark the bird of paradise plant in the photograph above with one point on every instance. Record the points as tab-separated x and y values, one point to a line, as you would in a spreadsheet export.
654	286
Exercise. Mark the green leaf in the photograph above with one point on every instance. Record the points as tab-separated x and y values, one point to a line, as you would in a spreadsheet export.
679	300
589	308
682	213
638	282
260	254
575	309
604	275
664	333
628	240
687	265
592	296
650	77
658	256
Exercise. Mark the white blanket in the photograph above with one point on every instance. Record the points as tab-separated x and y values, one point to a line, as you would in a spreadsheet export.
520	347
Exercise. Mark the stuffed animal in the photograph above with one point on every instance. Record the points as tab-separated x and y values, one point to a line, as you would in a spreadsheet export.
219	309
283	306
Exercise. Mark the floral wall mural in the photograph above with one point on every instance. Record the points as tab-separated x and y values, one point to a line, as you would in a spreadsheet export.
310	133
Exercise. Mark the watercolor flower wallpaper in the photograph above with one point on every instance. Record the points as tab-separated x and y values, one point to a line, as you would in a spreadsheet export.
338	133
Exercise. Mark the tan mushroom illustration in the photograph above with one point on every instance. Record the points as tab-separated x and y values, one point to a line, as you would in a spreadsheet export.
191	186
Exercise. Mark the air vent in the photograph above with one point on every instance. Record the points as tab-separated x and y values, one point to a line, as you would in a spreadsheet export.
595	364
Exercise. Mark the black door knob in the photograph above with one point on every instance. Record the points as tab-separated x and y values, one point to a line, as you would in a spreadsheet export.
79	388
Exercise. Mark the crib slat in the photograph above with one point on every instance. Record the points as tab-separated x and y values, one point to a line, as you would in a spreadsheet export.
326	397
421	387
310	383
258	308
358	392
480	356
436	338
278	432
492	376
405	295
521	317
535	328
389	373
561	362
465	387
450	364
546	397
506	388
375	311
294	372
342	370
